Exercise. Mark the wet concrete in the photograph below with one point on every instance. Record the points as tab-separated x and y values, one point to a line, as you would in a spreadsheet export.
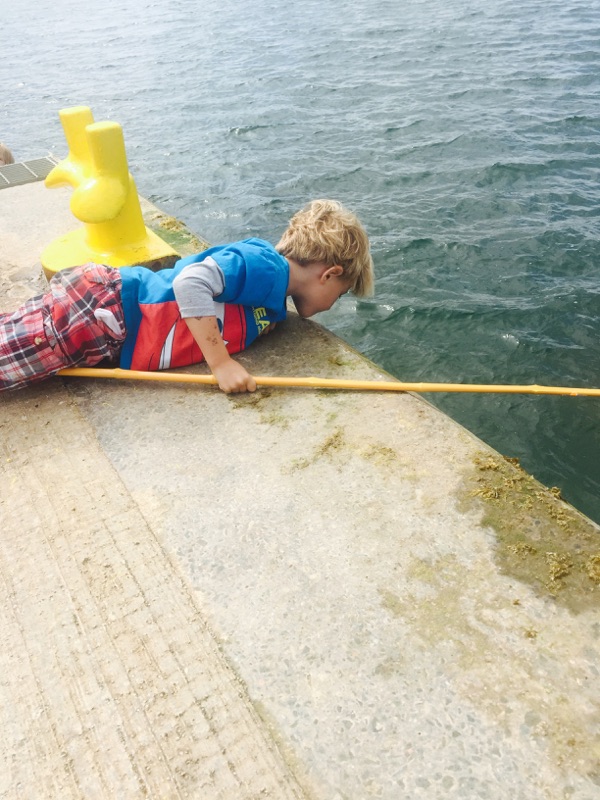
341	558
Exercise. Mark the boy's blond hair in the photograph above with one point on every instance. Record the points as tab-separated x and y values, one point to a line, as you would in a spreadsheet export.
325	231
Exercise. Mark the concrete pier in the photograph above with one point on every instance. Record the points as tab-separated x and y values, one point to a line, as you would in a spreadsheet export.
309	594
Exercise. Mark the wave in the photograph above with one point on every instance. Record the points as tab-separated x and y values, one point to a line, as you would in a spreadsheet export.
241	130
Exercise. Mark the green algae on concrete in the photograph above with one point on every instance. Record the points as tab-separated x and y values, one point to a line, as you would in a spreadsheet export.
176	234
540	539
269	403
332	443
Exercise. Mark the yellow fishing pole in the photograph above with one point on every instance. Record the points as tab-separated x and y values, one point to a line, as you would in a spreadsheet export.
332	383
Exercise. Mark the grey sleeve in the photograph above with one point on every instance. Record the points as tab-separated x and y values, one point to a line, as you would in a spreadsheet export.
195	287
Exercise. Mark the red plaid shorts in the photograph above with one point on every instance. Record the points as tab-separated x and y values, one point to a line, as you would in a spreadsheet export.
62	327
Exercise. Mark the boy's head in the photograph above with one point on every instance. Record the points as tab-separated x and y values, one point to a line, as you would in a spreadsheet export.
324	232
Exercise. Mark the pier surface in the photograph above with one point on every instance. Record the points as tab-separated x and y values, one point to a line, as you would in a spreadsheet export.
295	593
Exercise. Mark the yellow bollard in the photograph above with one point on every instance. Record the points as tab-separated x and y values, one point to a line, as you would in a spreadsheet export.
105	199
78	164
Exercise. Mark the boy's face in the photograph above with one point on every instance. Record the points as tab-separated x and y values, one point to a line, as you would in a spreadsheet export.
320	291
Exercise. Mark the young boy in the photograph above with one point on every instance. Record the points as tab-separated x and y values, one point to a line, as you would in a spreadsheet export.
205	308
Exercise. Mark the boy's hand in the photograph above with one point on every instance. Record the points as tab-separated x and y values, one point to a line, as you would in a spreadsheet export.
232	377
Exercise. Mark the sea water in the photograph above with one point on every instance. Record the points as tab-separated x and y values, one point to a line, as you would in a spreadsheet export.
465	133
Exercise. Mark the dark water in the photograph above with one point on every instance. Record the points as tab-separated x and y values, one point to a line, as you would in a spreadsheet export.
465	134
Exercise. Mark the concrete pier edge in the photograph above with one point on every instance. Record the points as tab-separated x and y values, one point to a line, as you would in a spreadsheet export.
286	594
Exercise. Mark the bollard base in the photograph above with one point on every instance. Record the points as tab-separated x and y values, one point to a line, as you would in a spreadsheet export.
73	249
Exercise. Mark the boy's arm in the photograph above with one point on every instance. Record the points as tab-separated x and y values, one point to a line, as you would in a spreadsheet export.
194	288
231	375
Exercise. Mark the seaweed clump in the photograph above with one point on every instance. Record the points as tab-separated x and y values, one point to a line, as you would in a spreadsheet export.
540	539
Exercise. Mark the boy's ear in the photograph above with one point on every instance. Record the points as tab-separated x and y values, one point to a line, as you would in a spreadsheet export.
332	272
